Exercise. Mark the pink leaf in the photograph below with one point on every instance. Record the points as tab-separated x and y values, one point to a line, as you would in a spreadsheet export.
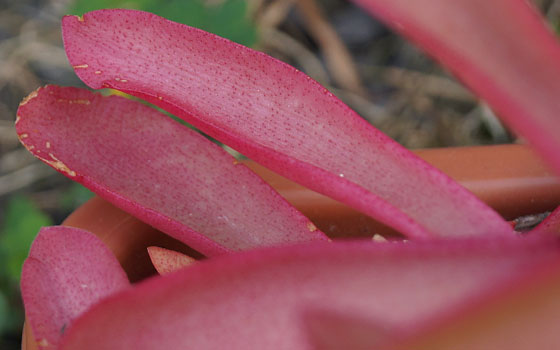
522	315
274	114
500	48
334	331
257	299
68	270
158	170
166	261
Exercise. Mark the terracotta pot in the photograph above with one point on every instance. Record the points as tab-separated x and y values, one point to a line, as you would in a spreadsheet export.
509	178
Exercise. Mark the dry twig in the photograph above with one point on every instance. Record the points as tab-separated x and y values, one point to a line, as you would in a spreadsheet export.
296	51
338	59
24	177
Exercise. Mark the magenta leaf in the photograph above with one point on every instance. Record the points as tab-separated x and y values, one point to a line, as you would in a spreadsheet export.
67	271
328	330
274	114
258	299
158	170
523	314
166	261
501	49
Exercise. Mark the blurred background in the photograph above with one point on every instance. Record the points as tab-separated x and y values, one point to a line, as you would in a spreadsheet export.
387	81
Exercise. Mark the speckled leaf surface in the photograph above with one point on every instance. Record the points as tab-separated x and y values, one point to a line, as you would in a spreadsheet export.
257	299
501	49
275	115
158	170
166	261
67	271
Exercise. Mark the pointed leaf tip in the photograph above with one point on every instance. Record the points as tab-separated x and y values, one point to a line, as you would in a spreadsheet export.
166	261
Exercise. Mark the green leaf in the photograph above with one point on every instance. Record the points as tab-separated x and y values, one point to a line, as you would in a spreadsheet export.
227	19
4	312
75	196
22	221
79	7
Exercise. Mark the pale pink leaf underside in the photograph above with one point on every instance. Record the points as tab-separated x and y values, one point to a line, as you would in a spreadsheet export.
327	330
67	271
523	314
166	261
501	49
158	170
274	114
257	299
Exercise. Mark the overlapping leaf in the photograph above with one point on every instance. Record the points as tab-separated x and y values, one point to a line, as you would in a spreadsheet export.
276	115
273	114
158	170
502	49
258	299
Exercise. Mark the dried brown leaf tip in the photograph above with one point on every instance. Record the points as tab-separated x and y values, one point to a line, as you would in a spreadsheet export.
29	97
59	165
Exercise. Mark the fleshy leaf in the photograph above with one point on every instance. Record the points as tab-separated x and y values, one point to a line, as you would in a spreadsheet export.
501	49
68	270
523	315
127	236
158	170
334	331
275	115
166	261
258	299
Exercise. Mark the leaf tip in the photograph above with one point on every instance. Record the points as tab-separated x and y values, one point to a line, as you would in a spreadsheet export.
378	238
166	261
28	98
